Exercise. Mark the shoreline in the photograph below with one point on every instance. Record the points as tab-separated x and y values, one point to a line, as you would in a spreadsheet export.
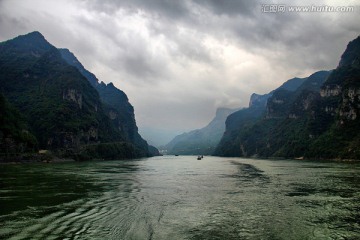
55	160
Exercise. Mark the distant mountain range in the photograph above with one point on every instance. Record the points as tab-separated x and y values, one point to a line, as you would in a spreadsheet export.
317	117
50	102
201	141
313	117
204	141
61	106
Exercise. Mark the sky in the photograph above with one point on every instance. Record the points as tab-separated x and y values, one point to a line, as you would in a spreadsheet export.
179	60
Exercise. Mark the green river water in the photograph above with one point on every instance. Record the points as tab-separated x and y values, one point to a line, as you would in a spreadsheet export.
181	198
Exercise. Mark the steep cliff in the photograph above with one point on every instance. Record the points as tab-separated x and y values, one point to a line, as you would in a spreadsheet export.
340	105
201	141
282	99
244	119
63	110
115	104
15	137
320	119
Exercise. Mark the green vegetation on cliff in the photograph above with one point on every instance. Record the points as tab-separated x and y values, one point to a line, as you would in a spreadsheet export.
61	107
14	135
116	106
201	141
318	119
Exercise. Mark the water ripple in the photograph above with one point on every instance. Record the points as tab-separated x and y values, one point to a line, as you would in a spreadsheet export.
181	198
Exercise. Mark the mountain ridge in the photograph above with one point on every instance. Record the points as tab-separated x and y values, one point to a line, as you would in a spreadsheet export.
62	108
116	102
319	120
200	141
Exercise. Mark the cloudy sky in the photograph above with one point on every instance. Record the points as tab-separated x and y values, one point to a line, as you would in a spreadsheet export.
179	60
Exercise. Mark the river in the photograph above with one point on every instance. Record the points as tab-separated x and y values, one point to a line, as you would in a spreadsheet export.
173	197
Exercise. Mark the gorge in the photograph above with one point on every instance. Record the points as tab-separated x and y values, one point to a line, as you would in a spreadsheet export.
63	107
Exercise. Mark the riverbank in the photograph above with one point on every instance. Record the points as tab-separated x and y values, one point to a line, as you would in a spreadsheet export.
48	157
34	159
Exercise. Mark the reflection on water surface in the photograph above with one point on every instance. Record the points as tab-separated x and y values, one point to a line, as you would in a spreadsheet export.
181	198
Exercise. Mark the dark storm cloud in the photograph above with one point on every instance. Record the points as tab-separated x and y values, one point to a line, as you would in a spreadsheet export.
10	23
183	58
164	8
295	39
140	66
166	19
230	7
240	21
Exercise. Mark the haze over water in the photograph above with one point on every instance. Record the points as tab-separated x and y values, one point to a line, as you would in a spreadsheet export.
181	198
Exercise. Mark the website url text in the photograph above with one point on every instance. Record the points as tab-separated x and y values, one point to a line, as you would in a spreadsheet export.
282	8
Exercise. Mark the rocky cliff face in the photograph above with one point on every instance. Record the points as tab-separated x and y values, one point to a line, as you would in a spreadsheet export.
115	104
74	96
341	92
267	106
291	102
339	104
319	119
15	137
263	133
47	91
258	100
63	109
330	90
278	104
201	141
351	55
350	104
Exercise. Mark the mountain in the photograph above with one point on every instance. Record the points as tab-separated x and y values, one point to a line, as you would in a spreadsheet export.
339	109
320	119
279	104
201	141
61	107
252	124
244	118
115	103
15	137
